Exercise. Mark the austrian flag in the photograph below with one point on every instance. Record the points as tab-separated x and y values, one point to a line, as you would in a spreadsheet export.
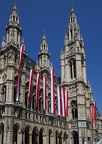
38	89
30	84
19	67
44	92
52	92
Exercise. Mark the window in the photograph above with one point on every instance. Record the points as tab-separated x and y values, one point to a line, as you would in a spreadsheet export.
74	109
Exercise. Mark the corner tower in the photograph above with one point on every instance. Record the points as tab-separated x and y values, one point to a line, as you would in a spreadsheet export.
72	58
44	55
13	29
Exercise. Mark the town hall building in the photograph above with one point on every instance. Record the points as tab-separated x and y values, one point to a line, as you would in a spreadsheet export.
24	124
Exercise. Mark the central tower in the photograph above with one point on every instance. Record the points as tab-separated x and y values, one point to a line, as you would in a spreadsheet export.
72	59
73	78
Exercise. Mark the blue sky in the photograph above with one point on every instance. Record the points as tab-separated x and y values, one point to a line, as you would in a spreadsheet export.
52	16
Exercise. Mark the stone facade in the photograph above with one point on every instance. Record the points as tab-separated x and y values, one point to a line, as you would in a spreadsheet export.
21	124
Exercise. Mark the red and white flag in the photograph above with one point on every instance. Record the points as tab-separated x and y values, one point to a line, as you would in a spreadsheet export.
38	89
63	102
92	115
52	92
19	67
30	84
66	103
94	110
58	97
44	93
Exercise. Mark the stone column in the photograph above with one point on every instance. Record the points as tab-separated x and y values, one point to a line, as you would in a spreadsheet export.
52	139
22	96
19	138
1	138
58	140
71	140
66	73
37	139
30	138
45	140
62	140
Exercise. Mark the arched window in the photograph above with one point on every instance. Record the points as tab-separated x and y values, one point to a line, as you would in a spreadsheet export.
50	132
1	132
41	100
27	131
15	133
34	97
71	33
35	134
49	102
26	93
57	137
75	137
72	64
74	109
15	87
41	136
4	93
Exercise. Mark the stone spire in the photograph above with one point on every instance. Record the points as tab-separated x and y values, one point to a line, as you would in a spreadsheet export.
13	29
44	55
73	27
72	58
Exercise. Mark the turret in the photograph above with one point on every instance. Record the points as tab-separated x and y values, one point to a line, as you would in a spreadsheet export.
13	29
44	55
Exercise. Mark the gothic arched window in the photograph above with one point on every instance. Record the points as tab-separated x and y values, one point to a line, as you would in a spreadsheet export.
41	100
49	102
72	64
74	109
15	87
26	93
34	97
4	93
76	137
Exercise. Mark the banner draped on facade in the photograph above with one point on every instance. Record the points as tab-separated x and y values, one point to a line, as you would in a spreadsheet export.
19	67
44	93
30	85
38	89
52	92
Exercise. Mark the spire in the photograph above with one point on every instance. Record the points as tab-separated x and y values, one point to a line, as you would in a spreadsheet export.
44	46
73	27
44	55
14	15
13	28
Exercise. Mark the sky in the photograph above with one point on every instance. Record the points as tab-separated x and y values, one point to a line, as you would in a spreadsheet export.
51	17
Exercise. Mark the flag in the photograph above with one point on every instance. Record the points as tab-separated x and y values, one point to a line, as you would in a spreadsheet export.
92	115
58	95
94	110
63	102
38	89
66	103
44	92
19	67
30	84
52	92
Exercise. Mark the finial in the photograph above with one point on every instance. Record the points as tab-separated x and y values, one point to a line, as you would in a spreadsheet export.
44	31
72	6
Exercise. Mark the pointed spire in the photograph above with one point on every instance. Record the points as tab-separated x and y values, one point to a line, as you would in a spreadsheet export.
44	45
73	27
14	15
14	9
44	55
13	29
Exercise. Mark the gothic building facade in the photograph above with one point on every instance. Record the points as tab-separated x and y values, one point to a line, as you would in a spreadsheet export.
21	124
